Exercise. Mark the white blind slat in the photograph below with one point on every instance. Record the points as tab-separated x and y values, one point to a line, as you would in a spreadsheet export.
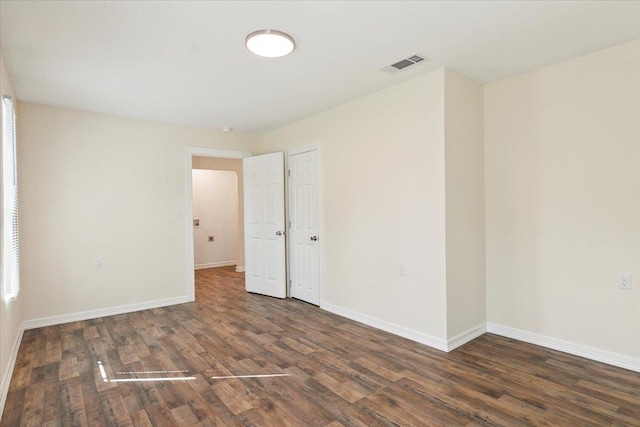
10	241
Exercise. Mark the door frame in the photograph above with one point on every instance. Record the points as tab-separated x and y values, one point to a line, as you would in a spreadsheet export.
299	149
188	213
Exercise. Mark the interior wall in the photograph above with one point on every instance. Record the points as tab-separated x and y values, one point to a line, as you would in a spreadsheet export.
235	165
384	202
465	220
11	312
95	185
215	205
562	146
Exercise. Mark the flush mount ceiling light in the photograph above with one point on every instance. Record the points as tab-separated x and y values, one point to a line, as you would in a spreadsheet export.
270	43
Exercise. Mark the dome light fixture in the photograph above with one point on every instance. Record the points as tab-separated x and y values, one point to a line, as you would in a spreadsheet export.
270	43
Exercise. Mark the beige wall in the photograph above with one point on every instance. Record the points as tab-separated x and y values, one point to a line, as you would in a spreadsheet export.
384	202
562	153
98	185
464	172
235	165
11	312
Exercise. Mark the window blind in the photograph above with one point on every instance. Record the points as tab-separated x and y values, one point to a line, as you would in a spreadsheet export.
10	248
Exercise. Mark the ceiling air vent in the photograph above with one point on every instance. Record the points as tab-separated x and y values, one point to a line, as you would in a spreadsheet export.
404	64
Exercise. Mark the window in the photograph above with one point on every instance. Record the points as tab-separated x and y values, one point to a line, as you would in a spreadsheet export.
10	252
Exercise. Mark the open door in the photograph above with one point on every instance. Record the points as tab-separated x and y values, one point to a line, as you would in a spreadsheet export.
264	240
304	252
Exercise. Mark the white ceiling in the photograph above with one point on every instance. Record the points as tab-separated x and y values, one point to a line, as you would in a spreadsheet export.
185	62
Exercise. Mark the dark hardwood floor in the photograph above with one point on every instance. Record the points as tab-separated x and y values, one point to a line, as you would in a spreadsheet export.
339	372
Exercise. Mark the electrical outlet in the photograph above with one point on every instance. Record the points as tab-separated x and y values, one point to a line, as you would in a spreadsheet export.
402	270
624	281
99	262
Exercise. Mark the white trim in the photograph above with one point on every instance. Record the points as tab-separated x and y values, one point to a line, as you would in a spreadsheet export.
420	337
215	152
466	336
188	214
101	312
615	359
287	218
239	269
8	373
215	264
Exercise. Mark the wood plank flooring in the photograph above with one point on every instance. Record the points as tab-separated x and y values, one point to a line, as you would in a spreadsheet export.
340	373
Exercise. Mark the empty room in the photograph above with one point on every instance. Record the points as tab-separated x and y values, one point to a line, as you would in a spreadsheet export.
320	213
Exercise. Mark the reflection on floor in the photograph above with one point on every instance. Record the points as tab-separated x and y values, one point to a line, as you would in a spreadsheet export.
262	361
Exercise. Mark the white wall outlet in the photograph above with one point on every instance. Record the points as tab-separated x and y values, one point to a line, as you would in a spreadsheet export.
178	215
624	281
402	270
99	262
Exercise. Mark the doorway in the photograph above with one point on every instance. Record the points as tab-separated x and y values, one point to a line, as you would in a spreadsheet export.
209	158
217	237
304	232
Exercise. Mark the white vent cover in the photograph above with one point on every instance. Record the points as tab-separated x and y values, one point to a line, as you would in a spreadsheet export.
405	63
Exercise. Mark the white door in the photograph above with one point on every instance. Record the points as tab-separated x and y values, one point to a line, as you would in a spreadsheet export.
304	211
264	239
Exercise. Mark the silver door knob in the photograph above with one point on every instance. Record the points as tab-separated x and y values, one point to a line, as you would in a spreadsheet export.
278	233
314	238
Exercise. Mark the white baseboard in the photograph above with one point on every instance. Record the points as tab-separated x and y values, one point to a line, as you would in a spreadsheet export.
214	264
239	269
420	337
466	336
8	373
615	359
102	312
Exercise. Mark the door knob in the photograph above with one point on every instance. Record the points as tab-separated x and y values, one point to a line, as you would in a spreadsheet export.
314	238
278	233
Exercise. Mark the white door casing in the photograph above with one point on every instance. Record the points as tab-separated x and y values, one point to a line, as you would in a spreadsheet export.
264	224
304	254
